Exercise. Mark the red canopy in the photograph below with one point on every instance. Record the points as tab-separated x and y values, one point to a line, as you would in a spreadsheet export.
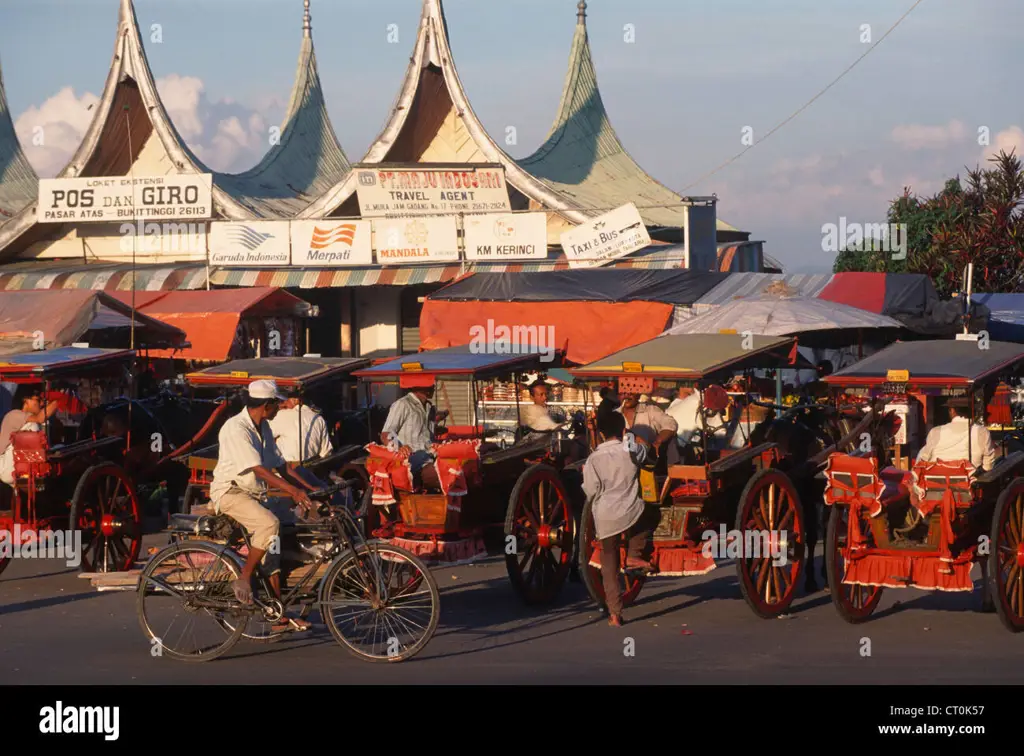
210	318
586	330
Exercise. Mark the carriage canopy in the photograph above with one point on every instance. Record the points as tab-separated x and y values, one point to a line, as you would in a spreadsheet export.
472	362
33	367
290	373
695	357
922	363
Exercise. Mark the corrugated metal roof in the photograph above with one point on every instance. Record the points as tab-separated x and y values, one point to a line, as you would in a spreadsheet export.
19	184
751	284
583	157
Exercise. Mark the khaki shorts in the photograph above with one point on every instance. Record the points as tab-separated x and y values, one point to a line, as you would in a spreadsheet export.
262	521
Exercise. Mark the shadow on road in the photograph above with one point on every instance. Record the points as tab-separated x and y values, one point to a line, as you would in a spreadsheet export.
48	601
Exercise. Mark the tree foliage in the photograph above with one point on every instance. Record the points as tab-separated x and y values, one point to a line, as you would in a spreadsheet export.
979	221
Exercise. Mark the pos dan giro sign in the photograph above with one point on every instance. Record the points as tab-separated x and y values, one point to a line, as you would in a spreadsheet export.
121	198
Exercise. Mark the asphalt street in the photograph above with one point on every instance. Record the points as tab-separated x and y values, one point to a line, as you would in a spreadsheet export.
57	629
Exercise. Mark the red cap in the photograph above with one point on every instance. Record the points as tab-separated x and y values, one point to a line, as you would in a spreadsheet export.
416	380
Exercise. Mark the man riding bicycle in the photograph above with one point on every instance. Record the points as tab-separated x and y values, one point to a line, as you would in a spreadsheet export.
248	464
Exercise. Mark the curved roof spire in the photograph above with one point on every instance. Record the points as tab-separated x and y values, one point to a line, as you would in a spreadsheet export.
583	157
432	50
307	159
19	184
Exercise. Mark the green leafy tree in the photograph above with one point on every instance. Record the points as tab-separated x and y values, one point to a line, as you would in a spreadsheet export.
979	221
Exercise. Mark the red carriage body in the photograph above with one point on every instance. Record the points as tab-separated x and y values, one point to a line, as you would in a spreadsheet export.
521	501
750	492
66	484
898	522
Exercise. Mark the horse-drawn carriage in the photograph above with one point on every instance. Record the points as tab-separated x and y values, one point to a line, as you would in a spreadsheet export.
70	480
522	501
320	381
752	496
898	522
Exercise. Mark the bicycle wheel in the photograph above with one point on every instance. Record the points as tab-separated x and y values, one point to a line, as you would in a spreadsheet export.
381	603
185	590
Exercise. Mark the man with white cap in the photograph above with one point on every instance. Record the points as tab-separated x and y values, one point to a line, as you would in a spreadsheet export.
247	460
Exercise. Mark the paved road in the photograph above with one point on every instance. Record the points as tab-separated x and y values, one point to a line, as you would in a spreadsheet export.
57	629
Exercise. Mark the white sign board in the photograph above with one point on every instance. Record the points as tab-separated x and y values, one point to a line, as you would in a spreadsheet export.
331	243
501	236
405	240
605	238
117	198
901	413
250	244
387	191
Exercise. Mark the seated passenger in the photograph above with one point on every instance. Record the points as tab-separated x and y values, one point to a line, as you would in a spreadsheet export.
27	415
409	428
949	442
537	416
651	423
686	411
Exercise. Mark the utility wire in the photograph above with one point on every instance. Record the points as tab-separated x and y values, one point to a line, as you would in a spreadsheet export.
806	105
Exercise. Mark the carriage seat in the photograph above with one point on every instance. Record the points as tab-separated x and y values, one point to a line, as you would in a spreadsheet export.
30	449
933	480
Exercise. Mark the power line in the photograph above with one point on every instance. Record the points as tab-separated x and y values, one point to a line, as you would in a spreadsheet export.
806	105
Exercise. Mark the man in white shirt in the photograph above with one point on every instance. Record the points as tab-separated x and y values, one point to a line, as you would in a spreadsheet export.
247	460
652	424
301	433
949	442
610	482
685	409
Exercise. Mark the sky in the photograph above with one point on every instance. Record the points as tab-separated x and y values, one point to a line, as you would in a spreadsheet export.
684	82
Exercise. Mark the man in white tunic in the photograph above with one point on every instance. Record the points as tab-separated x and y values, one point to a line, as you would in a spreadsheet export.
949	442
301	433
611	483
248	464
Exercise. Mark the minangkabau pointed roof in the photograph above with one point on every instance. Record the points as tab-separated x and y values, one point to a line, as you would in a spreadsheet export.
583	157
433	51
307	161
19	184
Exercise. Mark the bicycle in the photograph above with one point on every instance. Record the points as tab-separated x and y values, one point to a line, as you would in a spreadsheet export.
384	588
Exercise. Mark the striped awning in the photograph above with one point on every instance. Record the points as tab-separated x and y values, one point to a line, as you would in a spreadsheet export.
323	278
61	274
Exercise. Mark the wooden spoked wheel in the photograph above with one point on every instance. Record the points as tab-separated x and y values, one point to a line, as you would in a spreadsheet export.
105	508
771	523
592	578
540	533
1006	556
855	603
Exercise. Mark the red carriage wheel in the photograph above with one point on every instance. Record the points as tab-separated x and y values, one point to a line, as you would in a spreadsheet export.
855	603
770	509
592	575
540	519
105	508
1006	557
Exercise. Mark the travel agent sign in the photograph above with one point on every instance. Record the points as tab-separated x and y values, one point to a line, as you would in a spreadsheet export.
120	198
385	191
607	237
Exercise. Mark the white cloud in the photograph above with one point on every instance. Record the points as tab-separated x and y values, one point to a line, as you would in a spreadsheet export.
1007	140
51	132
225	134
914	136
876	177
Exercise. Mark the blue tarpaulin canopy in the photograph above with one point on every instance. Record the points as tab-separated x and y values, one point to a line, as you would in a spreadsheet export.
1006	315
476	361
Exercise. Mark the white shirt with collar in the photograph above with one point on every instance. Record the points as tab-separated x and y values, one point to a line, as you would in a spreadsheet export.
611	480
301	434
949	443
649	421
408	419
241	448
537	417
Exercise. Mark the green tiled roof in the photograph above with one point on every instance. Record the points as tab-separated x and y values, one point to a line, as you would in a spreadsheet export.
19	184
583	158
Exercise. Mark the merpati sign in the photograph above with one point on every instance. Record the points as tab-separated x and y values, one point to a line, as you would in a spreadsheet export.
120	198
